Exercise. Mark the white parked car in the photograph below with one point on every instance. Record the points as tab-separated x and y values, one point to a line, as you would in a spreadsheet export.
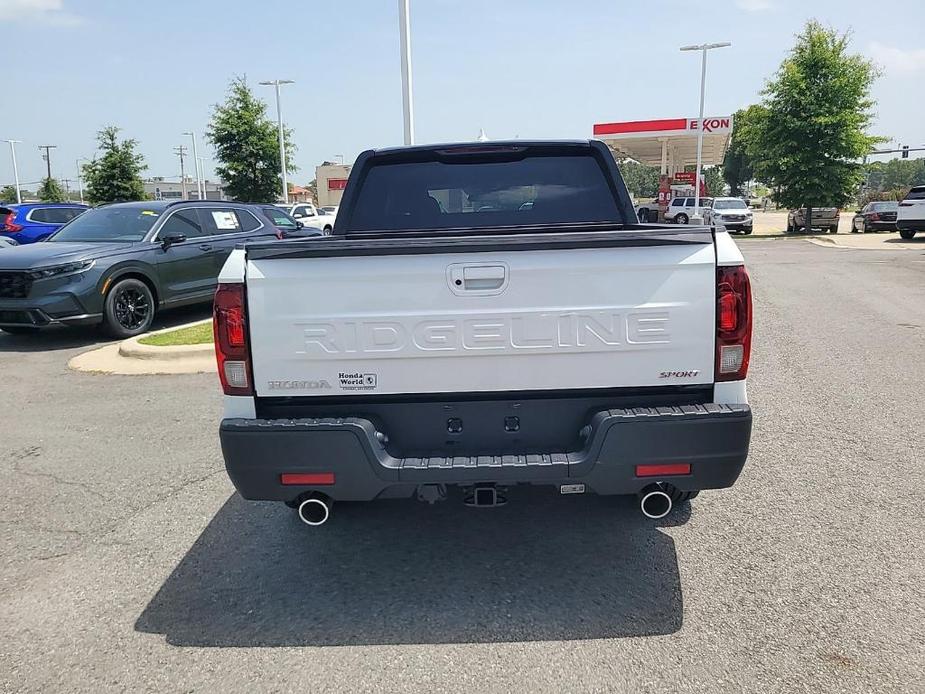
911	217
306	213
732	213
681	210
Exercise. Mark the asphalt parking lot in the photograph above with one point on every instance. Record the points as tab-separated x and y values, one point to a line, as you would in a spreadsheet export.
126	562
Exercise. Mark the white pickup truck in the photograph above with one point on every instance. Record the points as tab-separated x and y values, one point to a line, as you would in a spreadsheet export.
485	315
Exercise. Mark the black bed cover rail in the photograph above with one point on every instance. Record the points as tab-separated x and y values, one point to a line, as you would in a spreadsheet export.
483	241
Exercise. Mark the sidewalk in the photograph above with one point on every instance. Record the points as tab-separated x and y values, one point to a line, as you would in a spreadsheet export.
131	358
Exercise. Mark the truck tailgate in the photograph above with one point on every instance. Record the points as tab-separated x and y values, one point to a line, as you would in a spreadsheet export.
500	320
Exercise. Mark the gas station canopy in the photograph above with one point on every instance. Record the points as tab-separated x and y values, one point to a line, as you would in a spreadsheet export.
671	143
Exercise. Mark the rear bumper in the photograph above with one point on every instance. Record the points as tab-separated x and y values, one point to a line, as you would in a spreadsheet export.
911	224
713	438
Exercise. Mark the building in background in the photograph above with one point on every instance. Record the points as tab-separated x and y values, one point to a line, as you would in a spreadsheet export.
158	188
331	179
299	194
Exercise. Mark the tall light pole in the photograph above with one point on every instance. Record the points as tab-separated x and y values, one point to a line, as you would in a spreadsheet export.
407	101
282	139
202	169
80	186
199	185
15	169
703	48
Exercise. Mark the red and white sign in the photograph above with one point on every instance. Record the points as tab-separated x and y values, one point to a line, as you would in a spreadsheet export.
666	127
337	183
685	177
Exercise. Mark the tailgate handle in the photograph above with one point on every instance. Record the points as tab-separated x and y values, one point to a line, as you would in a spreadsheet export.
482	277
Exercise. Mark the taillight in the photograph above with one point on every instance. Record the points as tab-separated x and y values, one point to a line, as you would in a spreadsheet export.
9	225
874	217
229	326
733	323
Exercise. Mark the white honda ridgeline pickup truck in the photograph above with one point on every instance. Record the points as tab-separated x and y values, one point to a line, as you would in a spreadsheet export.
485	315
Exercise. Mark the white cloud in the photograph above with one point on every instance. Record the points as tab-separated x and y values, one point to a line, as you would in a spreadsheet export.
896	59
754	5
47	11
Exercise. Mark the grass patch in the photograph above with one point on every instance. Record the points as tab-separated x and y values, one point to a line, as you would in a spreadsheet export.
199	334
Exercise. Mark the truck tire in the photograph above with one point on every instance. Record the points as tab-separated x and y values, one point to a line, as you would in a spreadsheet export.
129	309
907	233
681	219
833	229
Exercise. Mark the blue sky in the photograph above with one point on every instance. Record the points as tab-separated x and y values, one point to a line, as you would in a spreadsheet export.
527	68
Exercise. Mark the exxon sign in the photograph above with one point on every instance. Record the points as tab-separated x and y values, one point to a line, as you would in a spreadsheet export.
715	126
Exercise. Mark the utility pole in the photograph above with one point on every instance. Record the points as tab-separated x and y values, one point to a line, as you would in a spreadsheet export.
181	152
199	185
15	169
47	155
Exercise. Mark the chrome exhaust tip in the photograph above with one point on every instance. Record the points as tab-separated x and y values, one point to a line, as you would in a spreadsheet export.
315	510
654	502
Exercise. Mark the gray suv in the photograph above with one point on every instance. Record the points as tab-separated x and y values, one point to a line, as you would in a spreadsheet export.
119	264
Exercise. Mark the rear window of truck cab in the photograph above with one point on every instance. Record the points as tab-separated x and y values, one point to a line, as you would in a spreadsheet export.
534	190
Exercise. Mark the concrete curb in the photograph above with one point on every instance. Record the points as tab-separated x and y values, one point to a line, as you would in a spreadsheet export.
131	358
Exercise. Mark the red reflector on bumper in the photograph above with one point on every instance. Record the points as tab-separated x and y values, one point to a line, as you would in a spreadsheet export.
307	478
663	470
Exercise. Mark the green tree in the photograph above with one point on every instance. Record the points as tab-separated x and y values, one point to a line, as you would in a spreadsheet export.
809	142
51	191
713	178
247	145
115	173
8	194
641	179
738	165
313	189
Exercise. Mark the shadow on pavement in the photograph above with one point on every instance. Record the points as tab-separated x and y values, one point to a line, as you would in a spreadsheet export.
63	337
400	572
918	238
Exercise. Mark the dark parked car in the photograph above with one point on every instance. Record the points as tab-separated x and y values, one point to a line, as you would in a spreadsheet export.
876	216
824	218
288	227
31	222
117	265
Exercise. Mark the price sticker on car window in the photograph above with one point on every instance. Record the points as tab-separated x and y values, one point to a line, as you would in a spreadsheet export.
225	219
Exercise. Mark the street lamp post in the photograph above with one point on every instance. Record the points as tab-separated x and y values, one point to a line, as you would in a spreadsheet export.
15	169
703	48
407	101
282	139
80	186
196	164
202	168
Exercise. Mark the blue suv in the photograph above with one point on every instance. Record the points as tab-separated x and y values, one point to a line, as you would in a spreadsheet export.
31	222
